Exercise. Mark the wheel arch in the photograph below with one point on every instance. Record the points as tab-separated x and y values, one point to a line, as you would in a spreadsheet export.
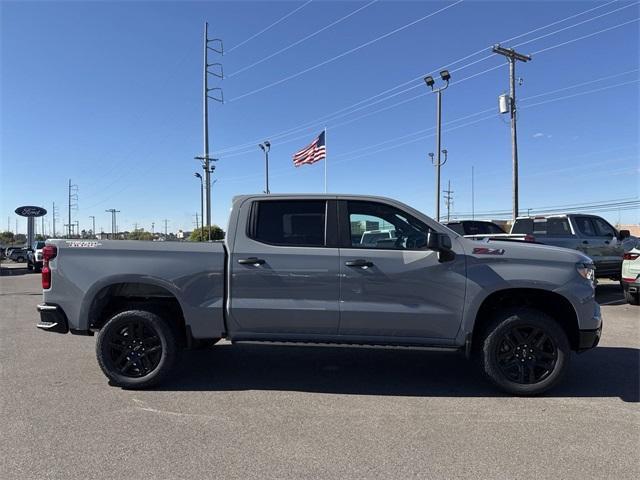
551	303
111	295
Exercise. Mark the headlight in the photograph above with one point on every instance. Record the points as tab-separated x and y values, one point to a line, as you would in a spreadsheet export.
587	270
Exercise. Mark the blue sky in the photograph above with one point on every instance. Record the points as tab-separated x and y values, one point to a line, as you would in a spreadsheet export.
109	95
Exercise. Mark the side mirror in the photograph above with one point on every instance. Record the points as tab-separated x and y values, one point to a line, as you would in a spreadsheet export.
622	234
439	242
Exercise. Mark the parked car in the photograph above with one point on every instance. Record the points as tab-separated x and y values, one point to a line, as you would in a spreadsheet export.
375	237
631	274
483	229
589	234
290	271
18	255
34	256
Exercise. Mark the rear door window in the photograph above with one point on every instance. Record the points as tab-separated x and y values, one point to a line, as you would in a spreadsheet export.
585	226
290	223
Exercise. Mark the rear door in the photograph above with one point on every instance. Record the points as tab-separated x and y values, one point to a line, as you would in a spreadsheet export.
284	268
396	287
589	243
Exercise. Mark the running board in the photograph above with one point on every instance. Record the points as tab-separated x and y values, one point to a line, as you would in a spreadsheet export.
283	343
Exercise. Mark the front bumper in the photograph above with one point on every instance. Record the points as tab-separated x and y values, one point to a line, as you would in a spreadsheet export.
52	319
589	338
631	287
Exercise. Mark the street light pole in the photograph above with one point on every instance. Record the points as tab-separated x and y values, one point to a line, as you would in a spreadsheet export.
93	219
446	76
201	202
266	146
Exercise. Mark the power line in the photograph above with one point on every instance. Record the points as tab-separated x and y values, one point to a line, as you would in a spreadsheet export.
343	54
575	24
419	78
288	47
270	26
585	36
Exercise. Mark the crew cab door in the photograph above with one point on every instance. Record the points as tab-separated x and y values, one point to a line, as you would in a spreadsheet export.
284	269
396	288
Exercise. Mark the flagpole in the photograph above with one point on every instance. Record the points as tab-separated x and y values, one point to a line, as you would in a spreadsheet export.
325	160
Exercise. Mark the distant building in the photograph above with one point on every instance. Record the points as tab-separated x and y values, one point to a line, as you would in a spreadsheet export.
181	235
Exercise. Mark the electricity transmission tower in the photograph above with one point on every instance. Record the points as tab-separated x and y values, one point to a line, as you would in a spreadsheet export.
513	56
72	204
219	49
113	212
448	200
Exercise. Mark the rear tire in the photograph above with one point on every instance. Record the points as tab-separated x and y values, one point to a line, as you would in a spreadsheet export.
524	352
136	349
633	299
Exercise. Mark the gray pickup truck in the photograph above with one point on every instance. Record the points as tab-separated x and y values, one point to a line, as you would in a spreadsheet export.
589	234
293	269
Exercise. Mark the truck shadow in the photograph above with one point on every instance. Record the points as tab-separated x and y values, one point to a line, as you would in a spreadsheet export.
602	372
610	294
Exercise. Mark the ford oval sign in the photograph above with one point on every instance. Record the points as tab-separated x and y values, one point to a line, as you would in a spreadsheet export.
29	211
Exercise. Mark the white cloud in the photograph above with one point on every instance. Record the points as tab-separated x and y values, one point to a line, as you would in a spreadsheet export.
538	135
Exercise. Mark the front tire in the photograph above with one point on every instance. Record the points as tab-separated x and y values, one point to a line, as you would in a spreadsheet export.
136	349
524	352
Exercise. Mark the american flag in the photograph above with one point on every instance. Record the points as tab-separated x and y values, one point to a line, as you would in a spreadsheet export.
312	153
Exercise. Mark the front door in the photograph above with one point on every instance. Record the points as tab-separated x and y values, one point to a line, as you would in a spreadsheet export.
284	269
393	286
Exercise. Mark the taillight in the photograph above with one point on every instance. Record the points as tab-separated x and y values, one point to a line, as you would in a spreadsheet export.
529	238
49	252
630	256
46	277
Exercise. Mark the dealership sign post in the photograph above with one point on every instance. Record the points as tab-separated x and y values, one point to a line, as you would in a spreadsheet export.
31	213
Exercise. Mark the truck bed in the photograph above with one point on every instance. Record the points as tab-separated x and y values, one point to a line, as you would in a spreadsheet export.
191	272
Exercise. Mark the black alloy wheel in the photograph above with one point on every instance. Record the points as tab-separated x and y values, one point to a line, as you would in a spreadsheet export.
524	351
135	350
526	354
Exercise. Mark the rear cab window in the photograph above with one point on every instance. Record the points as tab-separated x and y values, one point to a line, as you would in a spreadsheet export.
299	223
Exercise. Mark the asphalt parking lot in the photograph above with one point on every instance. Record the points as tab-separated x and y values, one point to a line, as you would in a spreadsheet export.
305	412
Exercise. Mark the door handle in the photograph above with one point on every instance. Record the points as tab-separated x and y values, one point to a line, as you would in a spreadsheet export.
584	242
251	261
360	262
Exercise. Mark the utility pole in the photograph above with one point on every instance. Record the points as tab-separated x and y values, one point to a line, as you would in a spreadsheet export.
165	227
153	228
266	146
448	198
54	214
73	197
473	196
197	224
513	56
93	224
113	212
205	112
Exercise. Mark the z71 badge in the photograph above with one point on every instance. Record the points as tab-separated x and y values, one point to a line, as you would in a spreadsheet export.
488	251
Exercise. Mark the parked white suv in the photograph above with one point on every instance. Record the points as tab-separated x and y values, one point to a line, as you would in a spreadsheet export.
631	274
34	256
